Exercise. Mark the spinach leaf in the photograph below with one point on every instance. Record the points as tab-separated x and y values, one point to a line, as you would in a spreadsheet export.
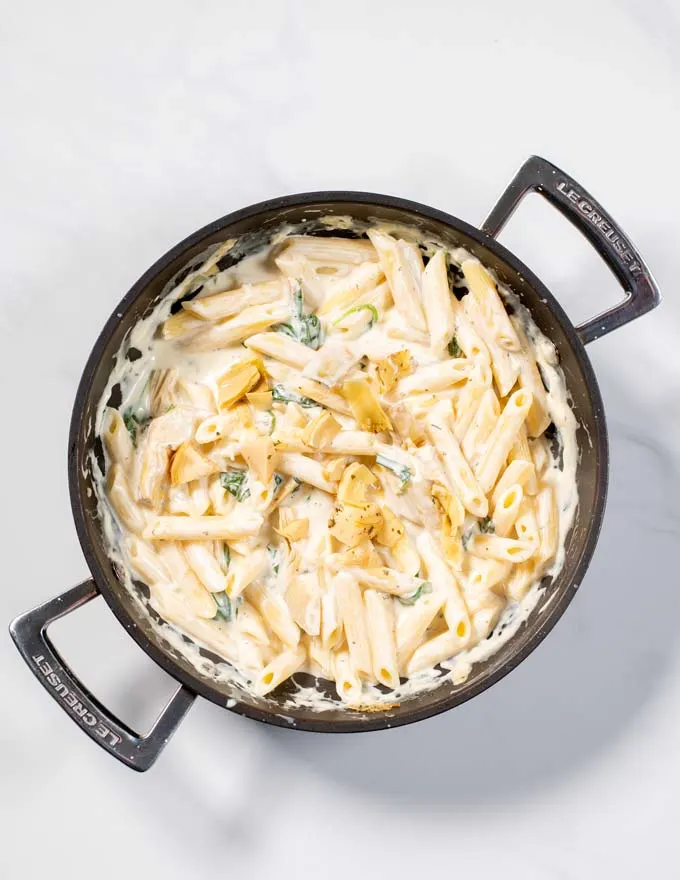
225	608
234	483
375	317
135	423
467	536
487	526
274	557
281	394
484	526
404	473
425	587
303	328
454	348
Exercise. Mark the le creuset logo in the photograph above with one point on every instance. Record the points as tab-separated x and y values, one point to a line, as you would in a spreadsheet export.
73	702
619	244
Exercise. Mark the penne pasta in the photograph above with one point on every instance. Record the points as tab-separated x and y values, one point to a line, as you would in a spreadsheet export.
331	624
460	475
469	399
306	470
322	658
505	368
281	667
204	565
413	623
250	321
503	549
436	377
516	473
502	439
483	290
485	619
433	651
117	440
197	528
353	616
482	425
341	250
281	347
276	614
443	578
485	575
126	509
145	562
242	571
438	304
526	524
347	291
520	580
347	682
380	623
540	455
506	510
403	273
538	417
520	451
233	302
304	601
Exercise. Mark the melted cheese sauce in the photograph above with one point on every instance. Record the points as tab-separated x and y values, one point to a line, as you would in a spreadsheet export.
133	376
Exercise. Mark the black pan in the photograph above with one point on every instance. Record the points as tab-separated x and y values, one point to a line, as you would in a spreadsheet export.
253	225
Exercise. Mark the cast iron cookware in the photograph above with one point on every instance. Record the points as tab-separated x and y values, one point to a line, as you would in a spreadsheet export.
252	226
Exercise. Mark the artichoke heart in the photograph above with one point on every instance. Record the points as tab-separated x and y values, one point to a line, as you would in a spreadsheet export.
240	378
365	406
356	480
189	463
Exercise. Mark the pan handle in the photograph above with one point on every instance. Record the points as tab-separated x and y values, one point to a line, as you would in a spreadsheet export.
29	632
590	218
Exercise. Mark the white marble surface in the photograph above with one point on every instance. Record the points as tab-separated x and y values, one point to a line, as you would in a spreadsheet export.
124	127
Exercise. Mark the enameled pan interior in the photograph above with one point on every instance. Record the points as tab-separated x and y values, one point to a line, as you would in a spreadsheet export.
257	224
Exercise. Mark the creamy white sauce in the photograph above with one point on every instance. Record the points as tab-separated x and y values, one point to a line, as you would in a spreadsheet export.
132	378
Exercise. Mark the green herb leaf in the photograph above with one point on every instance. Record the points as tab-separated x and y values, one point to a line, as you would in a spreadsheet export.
311	332
287	330
226	554
234	483
135	423
272	421
278	482
404	473
425	587
454	349
487	526
274	557
225	608
303	328
298	483
299	301
375	317
281	394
